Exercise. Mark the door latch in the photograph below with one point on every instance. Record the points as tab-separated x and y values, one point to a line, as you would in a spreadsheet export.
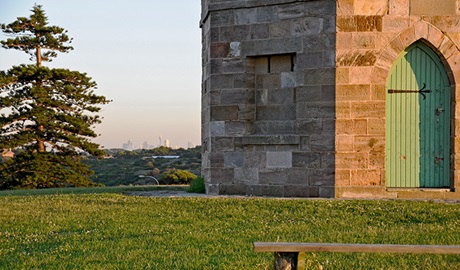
439	110
438	160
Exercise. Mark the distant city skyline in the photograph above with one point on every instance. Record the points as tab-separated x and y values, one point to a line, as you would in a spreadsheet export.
132	145
145	55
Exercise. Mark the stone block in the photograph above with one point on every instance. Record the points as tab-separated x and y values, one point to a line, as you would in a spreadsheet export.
280	29
306	160
342	178
342	75
301	191
272	176
433	7
217	128
235	49
272	139
246	16
308	93
222	18
235	96
376	126
266	190
233	189
310	126
365	178
288	80
343	109
322	143
371	7
345	7
255	159
279	159
311	59
344	41
347	24
222	81
371	109
221	175
233	159
305	144
268	81
325	109
271	46
378	92
320	76
399	7
222	144
289	12
297	176
363	40
246	80
323	177
280	96
216	160
352	160
344	143
360	75
247	112
307	26
222	113
246	175
377	161
395	24
236	128
369	23
234	33
259	31
220	49
356	57
352	92
275	112
281	127
319	42
233	66
326	192
369	143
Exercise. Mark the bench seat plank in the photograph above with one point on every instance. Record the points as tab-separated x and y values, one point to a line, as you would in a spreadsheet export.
333	247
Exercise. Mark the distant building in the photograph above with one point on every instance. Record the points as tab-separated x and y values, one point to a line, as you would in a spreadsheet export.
128	145
190	145
167	143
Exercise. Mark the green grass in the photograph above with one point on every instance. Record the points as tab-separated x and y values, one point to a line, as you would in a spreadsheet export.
89	190
115	231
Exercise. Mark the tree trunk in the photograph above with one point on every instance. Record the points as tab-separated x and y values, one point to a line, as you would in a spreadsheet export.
41	142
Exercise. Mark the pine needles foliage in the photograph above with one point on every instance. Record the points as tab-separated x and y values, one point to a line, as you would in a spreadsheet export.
48	114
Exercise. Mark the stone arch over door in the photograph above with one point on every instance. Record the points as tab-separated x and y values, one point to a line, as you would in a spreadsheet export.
449	54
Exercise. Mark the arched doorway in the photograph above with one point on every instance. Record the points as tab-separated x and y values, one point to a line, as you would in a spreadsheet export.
418	121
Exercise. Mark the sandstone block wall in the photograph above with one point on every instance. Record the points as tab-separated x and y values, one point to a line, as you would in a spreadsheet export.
268	97
370	36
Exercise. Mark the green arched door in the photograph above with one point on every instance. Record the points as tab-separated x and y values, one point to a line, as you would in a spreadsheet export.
418	121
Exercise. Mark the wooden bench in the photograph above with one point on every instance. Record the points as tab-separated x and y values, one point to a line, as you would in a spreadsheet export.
286	254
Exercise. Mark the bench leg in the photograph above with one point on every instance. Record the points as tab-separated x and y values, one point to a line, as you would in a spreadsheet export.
286	260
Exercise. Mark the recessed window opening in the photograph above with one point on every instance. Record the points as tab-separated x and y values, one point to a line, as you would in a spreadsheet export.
275	63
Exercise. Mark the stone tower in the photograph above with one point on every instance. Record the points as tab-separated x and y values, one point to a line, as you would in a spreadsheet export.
296	96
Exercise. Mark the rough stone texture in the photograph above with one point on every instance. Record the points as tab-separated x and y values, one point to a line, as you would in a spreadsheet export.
293	96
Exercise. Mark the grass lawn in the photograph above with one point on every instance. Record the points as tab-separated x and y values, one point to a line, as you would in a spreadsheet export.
109	230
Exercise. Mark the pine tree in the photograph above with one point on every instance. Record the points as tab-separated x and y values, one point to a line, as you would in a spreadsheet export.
48	115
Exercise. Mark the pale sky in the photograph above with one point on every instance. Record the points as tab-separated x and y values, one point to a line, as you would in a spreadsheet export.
145	55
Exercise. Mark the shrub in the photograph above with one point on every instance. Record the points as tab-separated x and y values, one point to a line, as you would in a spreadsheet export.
197	186
177	177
